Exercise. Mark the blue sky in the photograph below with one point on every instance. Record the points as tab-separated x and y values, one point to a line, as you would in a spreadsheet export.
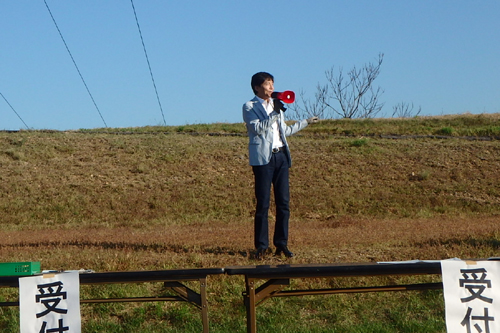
441	55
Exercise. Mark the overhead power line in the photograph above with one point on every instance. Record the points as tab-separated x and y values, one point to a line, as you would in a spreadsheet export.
17	114
147	59
74	62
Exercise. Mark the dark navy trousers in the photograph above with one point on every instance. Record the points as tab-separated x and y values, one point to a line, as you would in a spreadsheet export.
276	173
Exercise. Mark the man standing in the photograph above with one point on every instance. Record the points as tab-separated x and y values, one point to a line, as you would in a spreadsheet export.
270	160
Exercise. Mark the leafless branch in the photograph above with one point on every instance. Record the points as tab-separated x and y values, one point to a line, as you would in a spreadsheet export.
405	110
347	96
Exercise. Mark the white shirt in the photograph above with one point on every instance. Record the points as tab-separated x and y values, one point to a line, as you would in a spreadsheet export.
269	107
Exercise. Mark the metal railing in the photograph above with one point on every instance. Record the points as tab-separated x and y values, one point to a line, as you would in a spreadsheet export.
272	278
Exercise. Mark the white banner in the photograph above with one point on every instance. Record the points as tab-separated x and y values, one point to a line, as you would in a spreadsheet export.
50	303
472	296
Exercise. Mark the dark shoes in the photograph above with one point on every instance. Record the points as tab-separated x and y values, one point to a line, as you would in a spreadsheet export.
285	251
261	253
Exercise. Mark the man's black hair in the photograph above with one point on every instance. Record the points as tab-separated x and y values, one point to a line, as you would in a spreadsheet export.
259	78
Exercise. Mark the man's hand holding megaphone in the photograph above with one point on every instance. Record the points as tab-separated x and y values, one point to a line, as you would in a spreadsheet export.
279	106
287	96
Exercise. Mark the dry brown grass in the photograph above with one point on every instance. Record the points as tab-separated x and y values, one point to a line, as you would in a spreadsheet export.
145	201
152	201
220	244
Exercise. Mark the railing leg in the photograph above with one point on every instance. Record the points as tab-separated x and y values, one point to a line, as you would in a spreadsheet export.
188	295
204	304
250	305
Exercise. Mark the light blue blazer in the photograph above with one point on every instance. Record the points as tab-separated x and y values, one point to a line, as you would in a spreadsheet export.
260	132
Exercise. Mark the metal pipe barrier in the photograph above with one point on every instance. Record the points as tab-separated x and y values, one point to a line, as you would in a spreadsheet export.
173	280
275	277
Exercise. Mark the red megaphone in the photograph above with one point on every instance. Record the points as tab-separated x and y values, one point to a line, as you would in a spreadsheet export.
287	96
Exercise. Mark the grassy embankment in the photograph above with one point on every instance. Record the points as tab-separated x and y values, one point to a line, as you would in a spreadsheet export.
162	197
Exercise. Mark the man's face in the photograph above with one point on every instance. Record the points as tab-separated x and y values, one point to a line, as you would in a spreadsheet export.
265	90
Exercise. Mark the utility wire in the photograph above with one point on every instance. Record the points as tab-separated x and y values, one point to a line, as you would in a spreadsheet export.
147	59
74	62
17	114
